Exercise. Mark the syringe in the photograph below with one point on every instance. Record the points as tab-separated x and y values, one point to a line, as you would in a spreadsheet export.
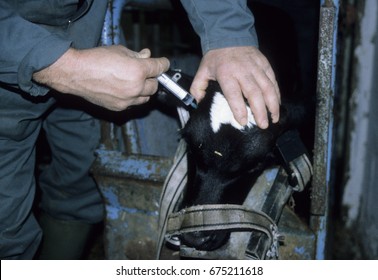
177	90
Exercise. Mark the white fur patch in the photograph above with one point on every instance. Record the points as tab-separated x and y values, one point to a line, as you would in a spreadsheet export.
220	113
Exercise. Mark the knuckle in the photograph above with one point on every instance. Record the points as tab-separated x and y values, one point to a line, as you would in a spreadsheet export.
268	89
252	91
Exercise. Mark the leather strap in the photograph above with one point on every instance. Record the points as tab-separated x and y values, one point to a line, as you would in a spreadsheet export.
219	217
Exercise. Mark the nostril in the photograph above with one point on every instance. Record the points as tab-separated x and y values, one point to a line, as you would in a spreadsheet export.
205	241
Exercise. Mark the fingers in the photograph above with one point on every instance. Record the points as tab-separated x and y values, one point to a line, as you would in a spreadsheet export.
138	101
150	87
253	93
234	96
151	67
268	88
262	94
154	67
200	84
243	73
272	78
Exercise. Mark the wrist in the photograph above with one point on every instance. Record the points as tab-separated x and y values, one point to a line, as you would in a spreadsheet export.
59	74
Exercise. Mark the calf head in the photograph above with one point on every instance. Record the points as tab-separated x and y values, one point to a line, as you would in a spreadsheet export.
224	159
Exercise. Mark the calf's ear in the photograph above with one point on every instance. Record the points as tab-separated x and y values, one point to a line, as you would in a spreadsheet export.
292	115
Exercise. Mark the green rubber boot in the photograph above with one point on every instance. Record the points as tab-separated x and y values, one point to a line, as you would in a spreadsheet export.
63	240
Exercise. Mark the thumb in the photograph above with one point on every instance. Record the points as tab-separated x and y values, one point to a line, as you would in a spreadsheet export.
145	53
155	66
199	84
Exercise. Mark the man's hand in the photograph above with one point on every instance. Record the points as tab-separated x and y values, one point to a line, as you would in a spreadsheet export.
113	77
242	72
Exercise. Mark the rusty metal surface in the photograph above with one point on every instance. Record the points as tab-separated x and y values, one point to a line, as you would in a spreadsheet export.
300	240
131	187
325	95
323	146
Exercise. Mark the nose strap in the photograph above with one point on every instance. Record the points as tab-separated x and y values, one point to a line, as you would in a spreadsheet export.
219	217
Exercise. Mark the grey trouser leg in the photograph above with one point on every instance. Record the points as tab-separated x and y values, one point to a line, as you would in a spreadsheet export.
20	123
68	190
69	193
19	232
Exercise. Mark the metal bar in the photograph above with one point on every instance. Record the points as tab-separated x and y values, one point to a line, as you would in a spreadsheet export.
110	133
324	123
115	164
324	118
118	6
107	129
107	31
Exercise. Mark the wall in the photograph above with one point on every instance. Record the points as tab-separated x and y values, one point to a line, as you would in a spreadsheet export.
360	191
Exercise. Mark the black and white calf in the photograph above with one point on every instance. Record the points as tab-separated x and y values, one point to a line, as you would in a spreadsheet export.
225	159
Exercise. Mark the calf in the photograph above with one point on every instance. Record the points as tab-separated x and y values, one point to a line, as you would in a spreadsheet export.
225	159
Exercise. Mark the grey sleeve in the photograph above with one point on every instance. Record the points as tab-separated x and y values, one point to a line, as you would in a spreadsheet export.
26	48
221	23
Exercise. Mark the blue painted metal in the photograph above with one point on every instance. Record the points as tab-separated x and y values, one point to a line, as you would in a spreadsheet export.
131	188
107	31
118	6
114	208
107	129
111	31
111	35
138	167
